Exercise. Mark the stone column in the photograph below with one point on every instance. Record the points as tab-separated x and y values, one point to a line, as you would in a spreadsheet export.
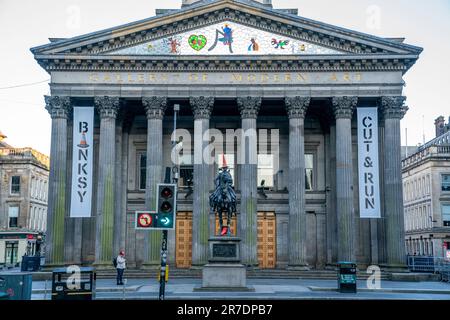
155	108
333	215
119	189
202	108
393	111
249	108
58	107
127	123
107	108
343	109
296	108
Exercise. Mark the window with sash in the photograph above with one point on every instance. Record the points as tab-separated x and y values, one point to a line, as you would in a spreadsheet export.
15	184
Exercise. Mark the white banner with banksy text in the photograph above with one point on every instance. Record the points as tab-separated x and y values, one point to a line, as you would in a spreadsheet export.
368	164
82	159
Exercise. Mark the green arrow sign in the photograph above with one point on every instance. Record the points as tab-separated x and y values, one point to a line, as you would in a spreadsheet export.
165	221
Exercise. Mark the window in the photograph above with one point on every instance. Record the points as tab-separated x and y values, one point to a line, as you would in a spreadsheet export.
423	191
15	184
446	215
33	187
229	158
40	190
265	170
446	182
12	248
45	192
142	170
309	172
30	218
13	215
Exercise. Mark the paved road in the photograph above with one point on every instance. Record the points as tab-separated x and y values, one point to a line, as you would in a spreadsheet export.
268	289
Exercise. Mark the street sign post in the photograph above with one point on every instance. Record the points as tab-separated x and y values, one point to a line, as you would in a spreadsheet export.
166	206
165	216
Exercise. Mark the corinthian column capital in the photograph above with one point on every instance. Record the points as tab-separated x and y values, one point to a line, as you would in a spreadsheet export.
297	106
249	106
393	107
107	106
155	107
343	107
58	106
201	106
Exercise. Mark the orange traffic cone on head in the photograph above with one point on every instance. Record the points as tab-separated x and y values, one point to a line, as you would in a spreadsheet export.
224	162
83	143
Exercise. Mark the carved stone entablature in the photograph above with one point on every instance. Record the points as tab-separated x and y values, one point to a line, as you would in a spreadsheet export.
297	106
201	106
393	107
155	107
249	106
107	106
58	106
343	107
189	64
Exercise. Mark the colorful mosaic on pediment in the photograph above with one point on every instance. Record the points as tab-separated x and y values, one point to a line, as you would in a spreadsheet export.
226	38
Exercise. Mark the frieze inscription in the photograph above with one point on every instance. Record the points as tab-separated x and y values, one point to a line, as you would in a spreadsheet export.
228	78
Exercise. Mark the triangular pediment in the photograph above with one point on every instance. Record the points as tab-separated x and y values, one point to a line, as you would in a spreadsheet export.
256	30
248	19
226	38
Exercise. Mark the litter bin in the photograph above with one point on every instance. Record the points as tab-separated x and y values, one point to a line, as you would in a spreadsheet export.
31	263
17	285
347	277
73	283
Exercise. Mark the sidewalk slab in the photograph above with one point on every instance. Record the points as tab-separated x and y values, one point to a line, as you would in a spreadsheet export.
386	290
98	289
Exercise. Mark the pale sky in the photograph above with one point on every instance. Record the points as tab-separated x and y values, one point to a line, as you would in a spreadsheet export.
28	23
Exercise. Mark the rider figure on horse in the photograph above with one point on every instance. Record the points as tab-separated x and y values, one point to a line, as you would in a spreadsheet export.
223	199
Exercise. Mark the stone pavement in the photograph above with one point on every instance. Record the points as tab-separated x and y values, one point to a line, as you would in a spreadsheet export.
268	289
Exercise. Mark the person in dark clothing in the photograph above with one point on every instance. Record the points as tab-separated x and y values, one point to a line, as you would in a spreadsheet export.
121	266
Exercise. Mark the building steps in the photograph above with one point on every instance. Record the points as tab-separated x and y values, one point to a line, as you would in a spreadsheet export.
197	273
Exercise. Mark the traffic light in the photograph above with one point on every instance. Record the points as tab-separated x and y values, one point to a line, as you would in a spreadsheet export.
164	216
166	206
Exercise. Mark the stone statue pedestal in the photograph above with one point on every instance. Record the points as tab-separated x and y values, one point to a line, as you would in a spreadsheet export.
224	272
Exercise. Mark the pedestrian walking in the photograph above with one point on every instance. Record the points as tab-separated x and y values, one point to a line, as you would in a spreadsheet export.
120	264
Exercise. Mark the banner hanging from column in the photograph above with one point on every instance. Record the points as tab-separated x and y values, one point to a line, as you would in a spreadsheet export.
368	163
82	159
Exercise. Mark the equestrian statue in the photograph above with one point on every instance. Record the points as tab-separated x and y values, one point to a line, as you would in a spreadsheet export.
223	199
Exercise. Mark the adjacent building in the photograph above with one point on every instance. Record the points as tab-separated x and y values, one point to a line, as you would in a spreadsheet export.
23	201
426	187
230	65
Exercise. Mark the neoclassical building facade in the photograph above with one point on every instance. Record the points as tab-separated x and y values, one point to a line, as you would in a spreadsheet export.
230	65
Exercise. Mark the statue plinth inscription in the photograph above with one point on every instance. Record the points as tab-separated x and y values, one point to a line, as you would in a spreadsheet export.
221	250
224	249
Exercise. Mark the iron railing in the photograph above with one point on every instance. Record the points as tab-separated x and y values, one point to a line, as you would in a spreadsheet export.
428	264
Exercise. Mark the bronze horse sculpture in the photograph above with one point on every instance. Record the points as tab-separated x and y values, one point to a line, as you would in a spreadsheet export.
223	199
